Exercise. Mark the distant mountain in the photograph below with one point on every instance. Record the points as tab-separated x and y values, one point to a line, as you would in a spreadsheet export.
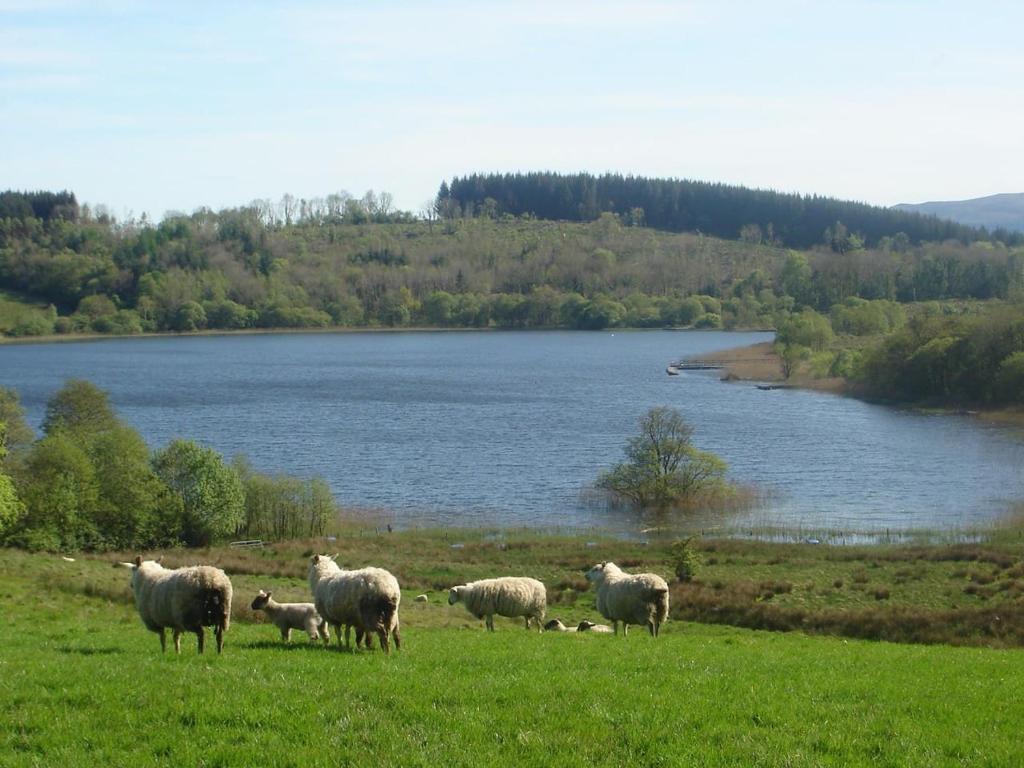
1004	211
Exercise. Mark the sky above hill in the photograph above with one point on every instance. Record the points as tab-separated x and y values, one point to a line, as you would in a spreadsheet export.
152	107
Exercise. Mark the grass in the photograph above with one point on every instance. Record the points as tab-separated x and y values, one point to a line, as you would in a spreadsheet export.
84	682
84	679
16	309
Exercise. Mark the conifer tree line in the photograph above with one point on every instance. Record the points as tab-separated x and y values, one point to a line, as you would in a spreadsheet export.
681	205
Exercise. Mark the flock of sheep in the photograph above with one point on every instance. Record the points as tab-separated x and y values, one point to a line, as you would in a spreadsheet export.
190	599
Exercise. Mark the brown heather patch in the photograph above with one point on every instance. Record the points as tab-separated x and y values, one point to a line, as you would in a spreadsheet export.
739	605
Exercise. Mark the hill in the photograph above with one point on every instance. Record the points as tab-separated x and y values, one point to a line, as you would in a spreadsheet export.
1003	211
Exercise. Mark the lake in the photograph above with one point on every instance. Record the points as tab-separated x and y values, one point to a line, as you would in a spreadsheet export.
508	428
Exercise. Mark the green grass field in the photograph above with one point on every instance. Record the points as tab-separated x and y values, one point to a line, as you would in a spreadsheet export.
81	681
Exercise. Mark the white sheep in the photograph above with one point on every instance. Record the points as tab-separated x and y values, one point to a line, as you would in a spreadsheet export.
640	598
366	599
509	596
289	616
182	599
556	625
589	626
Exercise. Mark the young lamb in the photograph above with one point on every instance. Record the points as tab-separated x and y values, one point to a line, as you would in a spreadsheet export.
366	599
182	599
509	596
632	599
589	626
289	616
556	625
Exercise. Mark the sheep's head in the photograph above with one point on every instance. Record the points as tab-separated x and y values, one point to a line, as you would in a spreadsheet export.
455	594
555	625
596	574
585	625
261	600
135	566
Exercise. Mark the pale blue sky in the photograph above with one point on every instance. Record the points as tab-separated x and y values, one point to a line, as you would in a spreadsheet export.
163	106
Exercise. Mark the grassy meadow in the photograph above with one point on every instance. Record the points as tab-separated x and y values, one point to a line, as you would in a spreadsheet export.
85	682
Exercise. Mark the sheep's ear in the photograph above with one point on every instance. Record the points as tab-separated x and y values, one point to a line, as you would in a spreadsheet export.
335	556
126	565
159	560
316	559
265	594
138	560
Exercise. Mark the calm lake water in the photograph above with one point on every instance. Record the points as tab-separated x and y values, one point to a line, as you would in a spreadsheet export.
508	428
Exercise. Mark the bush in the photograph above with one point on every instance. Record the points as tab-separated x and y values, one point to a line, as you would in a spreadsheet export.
685	561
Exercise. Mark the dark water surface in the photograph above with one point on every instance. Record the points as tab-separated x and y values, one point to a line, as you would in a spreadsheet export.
508	428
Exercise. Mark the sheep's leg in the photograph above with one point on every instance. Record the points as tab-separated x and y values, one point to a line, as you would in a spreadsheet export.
615	624
201	634
286	634
325	634
398	639
625	628
490	622
177	641
163	640
384	644
651	627
219	633
527	623
348	627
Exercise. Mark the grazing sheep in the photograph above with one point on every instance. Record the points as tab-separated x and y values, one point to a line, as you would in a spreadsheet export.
589	626
632	599
289	616
182	599
366	599
509	596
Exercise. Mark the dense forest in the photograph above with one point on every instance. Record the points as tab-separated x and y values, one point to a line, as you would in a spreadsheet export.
358	262
797	221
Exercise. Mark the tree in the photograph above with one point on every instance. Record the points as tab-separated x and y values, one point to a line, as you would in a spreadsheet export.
664	468
79	408
10	507
19	434
213	503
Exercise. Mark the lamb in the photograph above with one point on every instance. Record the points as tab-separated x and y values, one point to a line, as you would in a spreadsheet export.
589	626
509	596
289	616
182	599
366	599
632	599
556	625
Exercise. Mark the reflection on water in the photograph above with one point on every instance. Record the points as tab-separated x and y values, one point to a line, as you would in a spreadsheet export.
510	428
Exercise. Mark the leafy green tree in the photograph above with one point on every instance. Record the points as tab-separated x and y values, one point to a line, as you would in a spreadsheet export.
796	278
663	467
438	308
79	408
10	506
19	434
212	499
190	317
60	493
134	507
808	329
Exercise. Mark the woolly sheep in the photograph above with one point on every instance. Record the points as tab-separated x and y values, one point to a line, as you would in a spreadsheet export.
632	599
589	626
289	616
182	600
366	599
509	596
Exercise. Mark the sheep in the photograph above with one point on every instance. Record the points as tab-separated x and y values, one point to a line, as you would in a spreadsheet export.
632	599
509	596
289	616
421	599
366	599
182	599
556	625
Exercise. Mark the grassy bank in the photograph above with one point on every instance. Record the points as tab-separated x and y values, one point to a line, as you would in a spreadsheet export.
86	682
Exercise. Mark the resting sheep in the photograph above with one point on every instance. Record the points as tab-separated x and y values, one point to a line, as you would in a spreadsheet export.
632	599
182	599
509	596
289	616
556	625
589	626
366	599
